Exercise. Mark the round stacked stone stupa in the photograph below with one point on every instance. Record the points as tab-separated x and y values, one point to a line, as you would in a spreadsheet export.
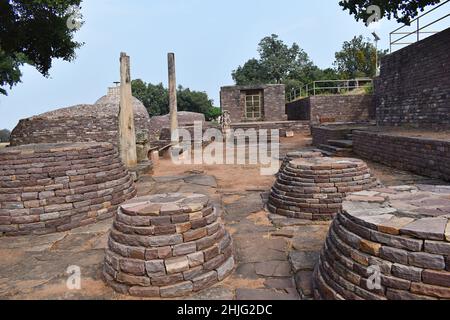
48	188
315	188
388	244
299	155
167	246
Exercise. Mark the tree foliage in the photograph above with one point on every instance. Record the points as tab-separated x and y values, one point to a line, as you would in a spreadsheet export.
156	99
5	134
34	32
401	10
357	59
279	63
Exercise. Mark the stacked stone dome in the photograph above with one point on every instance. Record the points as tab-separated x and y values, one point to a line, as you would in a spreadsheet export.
389	244
167	246
315	188
50	188
81	123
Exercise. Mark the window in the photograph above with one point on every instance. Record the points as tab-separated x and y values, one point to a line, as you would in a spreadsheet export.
253	106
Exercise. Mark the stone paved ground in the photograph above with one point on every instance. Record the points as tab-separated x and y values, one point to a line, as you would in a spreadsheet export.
273	253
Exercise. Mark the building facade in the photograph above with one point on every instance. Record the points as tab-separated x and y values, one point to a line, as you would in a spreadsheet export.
258	103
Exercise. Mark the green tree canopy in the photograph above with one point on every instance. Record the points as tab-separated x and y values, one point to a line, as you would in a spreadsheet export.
357	59
402	10
5	134
156	99
34	32
279	63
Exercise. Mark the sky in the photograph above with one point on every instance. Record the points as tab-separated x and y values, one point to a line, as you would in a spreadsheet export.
209	37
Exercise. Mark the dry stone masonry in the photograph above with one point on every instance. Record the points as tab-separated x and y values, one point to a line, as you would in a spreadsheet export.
81	123
167	246
403	232
299	155
314	188
50	188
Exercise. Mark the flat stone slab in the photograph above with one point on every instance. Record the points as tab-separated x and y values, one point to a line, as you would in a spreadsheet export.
264	295
273	269
303	260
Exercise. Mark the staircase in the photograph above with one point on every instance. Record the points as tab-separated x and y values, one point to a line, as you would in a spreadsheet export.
338	148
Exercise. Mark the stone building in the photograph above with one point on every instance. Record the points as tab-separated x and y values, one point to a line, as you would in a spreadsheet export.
257	103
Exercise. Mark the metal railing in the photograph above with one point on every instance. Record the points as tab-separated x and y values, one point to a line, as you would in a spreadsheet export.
329	87
418	31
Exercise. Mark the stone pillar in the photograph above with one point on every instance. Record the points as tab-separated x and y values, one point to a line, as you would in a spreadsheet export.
127	133
173	99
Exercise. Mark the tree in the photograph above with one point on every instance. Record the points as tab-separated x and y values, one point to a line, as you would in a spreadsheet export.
402	10
277	63
357	59
5	134
34	32
156	99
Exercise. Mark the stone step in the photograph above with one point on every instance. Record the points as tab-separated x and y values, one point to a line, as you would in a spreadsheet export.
341	143
333	151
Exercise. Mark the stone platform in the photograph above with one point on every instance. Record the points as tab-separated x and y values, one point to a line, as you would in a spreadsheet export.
167	246
48	188
290	156
314	188
389	244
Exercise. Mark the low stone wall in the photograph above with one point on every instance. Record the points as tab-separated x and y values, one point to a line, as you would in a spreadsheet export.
388	244
333	108
426	157
299	110
167	246
321	135
57	187
301	127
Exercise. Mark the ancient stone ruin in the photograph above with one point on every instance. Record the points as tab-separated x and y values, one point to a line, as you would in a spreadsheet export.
314	188
48	188
400	235
81	123
299	155
167	246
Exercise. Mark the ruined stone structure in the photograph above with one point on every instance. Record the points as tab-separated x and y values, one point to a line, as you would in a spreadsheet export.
299	155
50	188
423	156
413	88
82	123
333	108
254	103
315	188
167	246
400	235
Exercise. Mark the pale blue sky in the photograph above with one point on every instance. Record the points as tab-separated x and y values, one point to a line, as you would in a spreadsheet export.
210	39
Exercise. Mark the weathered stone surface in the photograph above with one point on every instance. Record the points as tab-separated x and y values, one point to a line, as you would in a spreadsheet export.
303	261
68	185
426	228
156	256
264	295
273	269
407	245
426	260
177	290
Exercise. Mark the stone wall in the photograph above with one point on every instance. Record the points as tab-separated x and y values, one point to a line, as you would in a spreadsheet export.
300	127
299	110
413	88
333	108
426	157
50	188
185	119
232	99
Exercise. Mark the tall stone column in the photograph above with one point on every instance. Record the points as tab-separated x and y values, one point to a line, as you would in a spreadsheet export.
127	133
173	99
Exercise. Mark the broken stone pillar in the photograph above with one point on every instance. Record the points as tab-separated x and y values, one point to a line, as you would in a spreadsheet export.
127	133
173	99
